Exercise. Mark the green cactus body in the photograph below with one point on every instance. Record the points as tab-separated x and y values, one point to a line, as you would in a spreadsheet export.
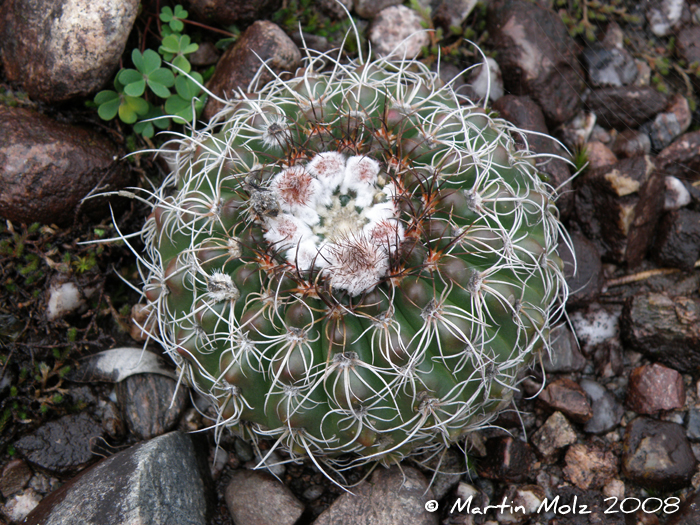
354	261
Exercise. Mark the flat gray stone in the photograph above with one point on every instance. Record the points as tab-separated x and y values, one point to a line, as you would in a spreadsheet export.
257	498
158	482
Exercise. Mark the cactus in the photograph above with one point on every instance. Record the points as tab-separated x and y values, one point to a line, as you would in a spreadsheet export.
355	260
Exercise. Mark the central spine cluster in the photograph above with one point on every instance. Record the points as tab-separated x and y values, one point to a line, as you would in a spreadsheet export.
335	217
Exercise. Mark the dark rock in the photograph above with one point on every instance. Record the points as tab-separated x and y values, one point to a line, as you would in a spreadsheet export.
693	425
62	446
682	158
631	143
599	155
679	106
569	398
525	114
584	276
146	401
63	49
689	512
206	55
657	455
371	8
112	423
607	411
228	12
257	498
609	67
625	107
449	468
398	31
589	466
393	496
564	355
14	477
577	131
653	388
333	9
450	13
47	167
162	481
662	130
688	47
667	329
608	358
618	208
555	434
262	42
507	459
537	57
678	239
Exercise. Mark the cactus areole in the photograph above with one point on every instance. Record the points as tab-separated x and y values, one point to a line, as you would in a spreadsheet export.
356	263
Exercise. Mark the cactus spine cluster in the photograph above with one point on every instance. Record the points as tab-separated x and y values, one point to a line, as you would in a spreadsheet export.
357	260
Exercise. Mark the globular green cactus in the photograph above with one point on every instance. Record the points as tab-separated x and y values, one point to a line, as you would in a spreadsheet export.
356	260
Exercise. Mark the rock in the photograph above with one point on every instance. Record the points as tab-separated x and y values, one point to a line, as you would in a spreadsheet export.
585	277
262	43
693	424
679	106
537	57
677	195
65	297
333	8
609	67
148	405
164	480
569	398
63	49
257	498
666	16
555	434
62	446
393	496
18	506
631	143
14	477
228	12
688	47
607	411
397	31
653	388
599	155
450	13
666	329
678	239
507	459
485	81
618	208
589	466
589	501
682	158
625	107
270	461
594	326
526	115
657	455
577	131
564	356
522	502
371	8
111	420
449	468
47	167
688	513
662	130
206	55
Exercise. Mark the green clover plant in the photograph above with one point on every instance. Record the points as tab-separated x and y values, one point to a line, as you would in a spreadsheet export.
142	94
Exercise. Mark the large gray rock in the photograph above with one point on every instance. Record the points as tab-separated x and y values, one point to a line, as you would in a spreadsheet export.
64	48
393	496
162	481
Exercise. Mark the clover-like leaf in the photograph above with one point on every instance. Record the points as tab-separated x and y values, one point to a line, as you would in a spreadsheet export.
160	80
131	108
174	18
134	82
108	104
182	63
153	119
